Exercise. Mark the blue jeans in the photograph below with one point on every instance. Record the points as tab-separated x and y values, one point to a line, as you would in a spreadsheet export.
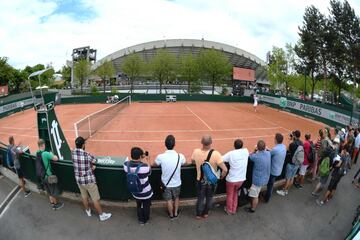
270	187
204	198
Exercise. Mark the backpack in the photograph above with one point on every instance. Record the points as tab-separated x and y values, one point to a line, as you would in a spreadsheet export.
298	157
133	180
324	168
39	166
209	175
9	158
311	155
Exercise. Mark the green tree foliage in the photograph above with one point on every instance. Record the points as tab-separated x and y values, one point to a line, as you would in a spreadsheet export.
214	67
105	71
6	71
308	47
277	69
133	66
66	74
189	71
82	72
163	66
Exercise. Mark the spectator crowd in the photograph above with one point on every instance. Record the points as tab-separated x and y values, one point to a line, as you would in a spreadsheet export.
325	160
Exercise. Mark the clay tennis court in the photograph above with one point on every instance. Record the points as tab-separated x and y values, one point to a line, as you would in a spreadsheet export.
147	124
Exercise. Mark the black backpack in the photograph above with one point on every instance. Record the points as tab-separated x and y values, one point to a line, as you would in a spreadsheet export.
311	155
39	166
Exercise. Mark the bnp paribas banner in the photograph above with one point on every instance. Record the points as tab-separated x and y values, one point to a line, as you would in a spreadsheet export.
19	104
308	109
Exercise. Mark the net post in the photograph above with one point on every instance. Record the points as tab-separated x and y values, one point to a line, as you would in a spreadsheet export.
89	126
76	130
129	99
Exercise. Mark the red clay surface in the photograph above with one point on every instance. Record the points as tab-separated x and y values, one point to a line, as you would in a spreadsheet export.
147	124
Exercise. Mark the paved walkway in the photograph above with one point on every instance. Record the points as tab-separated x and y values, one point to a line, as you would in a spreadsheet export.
295	217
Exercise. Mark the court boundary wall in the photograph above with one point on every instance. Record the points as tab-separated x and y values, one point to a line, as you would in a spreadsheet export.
111	179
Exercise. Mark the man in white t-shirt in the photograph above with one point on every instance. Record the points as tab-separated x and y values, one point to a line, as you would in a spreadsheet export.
238	161
170	162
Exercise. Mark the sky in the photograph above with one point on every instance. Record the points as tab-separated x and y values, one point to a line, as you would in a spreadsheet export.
46	31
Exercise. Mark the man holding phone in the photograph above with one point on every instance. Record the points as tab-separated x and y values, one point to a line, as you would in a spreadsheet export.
84	166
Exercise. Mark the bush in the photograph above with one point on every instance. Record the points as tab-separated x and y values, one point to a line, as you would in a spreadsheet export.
113	90
94	90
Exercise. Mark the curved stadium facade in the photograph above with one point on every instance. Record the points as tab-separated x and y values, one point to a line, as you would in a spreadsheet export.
237	57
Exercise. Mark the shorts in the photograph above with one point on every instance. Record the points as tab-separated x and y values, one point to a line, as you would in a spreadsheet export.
51	189
303	168
19	172
333	184
291	170
323	180
171	193
254	191
89	189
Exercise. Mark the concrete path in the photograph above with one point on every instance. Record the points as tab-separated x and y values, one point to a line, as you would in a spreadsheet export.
294	217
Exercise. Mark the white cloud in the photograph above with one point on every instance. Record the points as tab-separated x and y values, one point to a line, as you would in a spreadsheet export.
254	26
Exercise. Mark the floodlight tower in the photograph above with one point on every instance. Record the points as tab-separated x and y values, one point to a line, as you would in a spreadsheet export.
81	53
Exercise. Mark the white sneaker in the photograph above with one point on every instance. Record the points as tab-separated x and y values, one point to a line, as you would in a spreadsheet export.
104	216
282	192
88	212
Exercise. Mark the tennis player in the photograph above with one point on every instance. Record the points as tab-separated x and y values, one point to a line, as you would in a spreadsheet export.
255	101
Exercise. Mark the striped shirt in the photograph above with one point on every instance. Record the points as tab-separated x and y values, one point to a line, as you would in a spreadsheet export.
144	173
83	162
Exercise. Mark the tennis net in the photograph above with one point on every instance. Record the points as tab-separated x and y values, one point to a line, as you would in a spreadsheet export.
89	125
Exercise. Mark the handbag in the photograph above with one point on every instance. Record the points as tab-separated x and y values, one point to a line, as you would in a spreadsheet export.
52	179
164	186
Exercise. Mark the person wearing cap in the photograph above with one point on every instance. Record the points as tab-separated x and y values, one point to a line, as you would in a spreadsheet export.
84	166
336	175
291	167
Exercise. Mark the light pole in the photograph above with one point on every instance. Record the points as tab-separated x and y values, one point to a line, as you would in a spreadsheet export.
37	73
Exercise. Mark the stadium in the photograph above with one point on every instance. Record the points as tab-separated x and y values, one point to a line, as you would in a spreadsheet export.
238	58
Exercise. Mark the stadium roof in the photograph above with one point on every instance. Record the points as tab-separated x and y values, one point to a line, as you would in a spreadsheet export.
238	57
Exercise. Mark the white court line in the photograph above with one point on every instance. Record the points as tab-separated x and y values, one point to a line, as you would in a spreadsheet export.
21	135
181	140
17	128
183	130
7	202
199	119
273	123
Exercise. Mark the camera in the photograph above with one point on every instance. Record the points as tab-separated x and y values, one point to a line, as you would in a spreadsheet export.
146	153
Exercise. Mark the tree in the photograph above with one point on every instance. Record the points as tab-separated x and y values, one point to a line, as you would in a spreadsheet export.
6	71
66	74
19	78
277	69
345	48
189	70
82	72
308	47
105	71
214	67
162	66
132	66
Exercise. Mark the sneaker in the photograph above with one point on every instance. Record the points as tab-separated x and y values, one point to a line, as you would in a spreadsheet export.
226	211
27	193
142	223
88	212
282	192
104	216
58	206
249	210
320	203
177	215
299	186
314	194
